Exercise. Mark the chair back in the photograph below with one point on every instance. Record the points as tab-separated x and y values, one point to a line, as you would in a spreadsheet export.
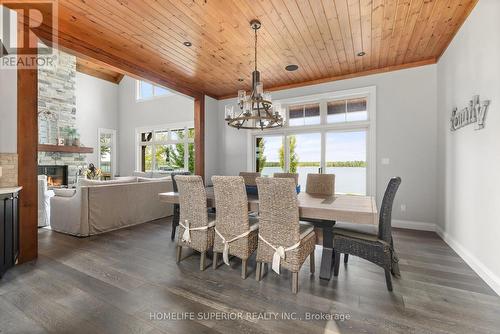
192	200
385	223
279	211
174	183
249	178
42	185
231	205
320	184
294	176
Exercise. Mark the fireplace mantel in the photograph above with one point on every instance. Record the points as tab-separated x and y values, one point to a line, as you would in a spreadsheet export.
64	149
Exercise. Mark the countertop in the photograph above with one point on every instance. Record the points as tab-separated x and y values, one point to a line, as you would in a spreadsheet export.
10	190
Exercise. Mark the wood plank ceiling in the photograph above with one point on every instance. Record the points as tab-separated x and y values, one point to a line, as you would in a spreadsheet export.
99	71
323	37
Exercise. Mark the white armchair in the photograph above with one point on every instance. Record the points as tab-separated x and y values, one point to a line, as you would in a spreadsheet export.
43	201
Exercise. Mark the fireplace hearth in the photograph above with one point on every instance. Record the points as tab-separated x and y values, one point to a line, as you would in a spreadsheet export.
57	176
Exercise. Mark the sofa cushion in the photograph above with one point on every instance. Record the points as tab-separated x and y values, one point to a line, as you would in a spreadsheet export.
128	179
64	192
153	179
142	174
86	182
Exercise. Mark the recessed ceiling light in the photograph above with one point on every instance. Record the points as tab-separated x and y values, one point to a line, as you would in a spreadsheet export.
187	43
291	67
361	54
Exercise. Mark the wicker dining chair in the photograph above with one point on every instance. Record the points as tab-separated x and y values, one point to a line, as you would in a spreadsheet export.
235	232
175	218
320	184
283	240
294	176
376	247
249	178
196	226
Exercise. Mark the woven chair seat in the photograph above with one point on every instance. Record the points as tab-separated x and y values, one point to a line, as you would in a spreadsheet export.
304	229
358	228
354	235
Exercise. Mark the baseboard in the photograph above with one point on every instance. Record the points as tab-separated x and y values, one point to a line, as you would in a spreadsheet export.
487	275
414	225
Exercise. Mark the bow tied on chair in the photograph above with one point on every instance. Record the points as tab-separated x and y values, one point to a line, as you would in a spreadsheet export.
279	253
225	242
186	236
277	256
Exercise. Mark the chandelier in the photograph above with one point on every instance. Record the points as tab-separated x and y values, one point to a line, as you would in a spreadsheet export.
254	111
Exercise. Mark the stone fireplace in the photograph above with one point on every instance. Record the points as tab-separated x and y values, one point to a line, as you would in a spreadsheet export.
57	117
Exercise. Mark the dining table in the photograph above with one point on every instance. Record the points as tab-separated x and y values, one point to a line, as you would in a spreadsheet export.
322	211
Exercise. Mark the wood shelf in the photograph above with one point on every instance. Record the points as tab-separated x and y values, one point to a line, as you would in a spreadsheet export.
64	149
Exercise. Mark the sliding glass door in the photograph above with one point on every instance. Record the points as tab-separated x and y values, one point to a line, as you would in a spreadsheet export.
339	152
304	155
269	155
345	156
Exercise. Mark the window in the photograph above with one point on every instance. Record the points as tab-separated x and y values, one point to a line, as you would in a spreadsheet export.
304	155
346	158
146	91
107	152
269	155
326	133
347	110
165	148
306	114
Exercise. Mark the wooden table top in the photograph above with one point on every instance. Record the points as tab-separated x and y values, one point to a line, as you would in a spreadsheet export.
346	208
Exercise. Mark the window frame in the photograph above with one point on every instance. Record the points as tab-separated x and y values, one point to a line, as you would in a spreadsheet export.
139	98
114	152
368	125
153	143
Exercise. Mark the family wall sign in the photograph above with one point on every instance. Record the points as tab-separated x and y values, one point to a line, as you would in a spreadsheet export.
474	113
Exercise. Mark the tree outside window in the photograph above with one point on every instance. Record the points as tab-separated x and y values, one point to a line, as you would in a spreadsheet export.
167	153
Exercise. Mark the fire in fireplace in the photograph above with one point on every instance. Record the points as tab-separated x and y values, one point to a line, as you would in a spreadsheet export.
57	176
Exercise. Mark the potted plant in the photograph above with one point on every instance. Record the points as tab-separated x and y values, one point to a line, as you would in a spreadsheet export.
92	173
76	139
71	133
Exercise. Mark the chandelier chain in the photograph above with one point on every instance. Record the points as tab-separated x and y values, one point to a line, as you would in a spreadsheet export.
255	31
256	111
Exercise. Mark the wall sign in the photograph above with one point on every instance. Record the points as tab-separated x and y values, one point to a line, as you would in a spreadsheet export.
474	113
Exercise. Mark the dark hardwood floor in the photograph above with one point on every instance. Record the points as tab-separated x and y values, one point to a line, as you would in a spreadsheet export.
116	282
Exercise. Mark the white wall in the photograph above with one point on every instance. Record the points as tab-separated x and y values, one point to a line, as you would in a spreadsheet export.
8	107
406	134
469	160
96	107
8	111
212	137
163	110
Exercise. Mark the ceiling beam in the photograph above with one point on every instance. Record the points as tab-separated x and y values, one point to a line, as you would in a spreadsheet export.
97	72
81	49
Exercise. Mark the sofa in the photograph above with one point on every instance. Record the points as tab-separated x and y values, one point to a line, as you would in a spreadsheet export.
96	207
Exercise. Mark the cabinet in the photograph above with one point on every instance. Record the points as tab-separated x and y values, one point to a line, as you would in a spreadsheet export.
9	230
